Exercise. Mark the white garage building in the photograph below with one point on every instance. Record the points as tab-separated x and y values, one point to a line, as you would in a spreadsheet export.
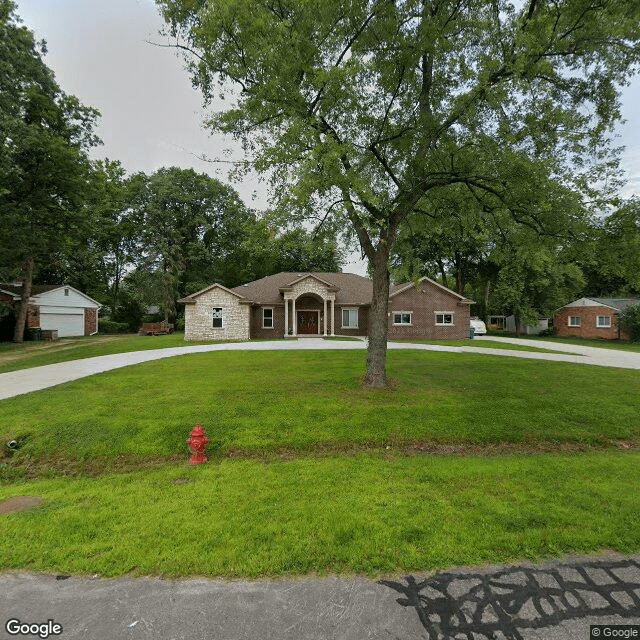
58	307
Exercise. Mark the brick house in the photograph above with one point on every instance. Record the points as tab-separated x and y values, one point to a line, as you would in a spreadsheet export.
322	304
592	318
56	307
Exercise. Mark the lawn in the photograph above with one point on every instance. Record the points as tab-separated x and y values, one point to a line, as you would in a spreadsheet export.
333	515
310	473
255	403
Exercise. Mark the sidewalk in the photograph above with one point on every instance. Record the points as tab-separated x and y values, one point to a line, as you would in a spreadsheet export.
549	601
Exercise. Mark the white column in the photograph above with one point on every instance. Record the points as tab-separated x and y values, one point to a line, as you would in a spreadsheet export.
294	319
324	300
333	318
286	317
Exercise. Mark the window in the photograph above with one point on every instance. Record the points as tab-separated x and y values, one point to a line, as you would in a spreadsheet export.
575	321
267	318
66	292
217	317
402	317
444	318
349	318
603	321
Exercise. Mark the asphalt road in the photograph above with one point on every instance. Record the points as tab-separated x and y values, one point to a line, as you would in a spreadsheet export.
550	601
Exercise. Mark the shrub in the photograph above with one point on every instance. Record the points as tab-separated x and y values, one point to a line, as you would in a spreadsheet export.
109	326
629	320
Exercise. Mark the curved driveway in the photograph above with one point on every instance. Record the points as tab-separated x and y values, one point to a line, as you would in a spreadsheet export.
24	381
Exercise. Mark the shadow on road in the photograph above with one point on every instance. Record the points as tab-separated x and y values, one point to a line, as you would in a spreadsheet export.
501	604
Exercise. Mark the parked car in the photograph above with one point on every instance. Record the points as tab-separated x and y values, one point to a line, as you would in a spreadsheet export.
479	327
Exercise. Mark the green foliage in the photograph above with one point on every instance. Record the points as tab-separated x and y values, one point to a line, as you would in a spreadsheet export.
610	255
629	320
365	111
129	312
110	326
44	168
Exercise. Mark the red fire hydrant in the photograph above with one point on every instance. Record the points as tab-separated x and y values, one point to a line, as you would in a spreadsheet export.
197	442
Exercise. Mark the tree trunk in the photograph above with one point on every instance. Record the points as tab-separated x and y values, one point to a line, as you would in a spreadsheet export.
443	271
376	375
21	318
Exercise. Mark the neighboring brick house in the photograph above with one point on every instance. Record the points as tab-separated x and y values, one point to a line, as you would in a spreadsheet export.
322	304
56	307
592	318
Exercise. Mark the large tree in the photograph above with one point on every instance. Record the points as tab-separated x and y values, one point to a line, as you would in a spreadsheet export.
44	168
364	108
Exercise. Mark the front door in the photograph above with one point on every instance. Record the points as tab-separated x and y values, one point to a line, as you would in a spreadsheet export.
307	322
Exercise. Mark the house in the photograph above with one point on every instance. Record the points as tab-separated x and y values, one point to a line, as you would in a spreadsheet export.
322	304
592	318
56	307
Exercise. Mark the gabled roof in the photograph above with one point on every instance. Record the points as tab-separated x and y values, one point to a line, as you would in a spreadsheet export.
38	290
399	288
349	288
617	304
329	286
191	299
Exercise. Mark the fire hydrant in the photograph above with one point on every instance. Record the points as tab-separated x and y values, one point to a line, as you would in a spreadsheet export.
197	442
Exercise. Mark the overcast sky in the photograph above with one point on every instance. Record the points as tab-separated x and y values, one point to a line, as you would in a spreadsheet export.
151	116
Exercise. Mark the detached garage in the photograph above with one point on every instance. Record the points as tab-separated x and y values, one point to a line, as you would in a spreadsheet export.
58	308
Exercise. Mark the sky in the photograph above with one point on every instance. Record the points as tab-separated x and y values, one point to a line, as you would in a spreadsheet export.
101	51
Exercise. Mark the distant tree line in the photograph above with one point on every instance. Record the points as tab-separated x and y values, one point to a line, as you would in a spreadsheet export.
130	241
512	269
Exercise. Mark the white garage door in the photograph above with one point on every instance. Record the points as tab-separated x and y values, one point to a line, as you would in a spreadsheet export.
67	324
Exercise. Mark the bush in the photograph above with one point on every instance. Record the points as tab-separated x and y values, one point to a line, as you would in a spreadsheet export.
109	326
179	326
629	320
548	333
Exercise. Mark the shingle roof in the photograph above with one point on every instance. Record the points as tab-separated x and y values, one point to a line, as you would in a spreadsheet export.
617	303
352	289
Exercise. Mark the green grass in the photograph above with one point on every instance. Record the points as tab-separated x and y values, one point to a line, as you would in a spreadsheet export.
311	474
256	403
329	515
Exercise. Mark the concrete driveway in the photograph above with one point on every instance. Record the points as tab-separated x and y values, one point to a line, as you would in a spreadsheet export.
27	380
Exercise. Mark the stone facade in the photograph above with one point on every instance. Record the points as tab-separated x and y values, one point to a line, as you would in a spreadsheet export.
244	307
423	303
198	316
